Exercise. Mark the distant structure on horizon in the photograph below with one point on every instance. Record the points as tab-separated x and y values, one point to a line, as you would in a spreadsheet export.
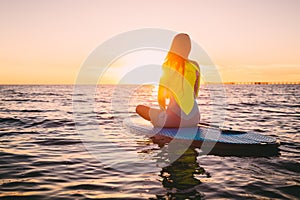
259	83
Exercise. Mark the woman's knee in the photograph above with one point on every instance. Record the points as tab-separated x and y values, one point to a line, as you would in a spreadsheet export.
143	111
138	108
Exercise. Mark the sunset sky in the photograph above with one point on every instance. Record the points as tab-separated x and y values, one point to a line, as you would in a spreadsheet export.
46	42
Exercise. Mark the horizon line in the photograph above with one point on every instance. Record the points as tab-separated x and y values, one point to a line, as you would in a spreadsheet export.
207	83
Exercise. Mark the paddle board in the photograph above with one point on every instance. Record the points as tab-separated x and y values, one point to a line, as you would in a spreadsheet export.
224	140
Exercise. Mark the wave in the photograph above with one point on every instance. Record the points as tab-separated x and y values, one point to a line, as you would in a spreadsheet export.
29	122
57	141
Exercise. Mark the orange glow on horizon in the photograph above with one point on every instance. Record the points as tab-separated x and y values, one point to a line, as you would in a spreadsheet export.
248	41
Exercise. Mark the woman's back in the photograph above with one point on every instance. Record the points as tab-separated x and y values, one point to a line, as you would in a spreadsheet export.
192	76
179	83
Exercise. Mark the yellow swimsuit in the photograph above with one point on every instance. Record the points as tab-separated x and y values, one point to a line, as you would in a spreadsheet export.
182	88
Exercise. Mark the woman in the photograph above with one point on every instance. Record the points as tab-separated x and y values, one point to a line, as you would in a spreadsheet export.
180	84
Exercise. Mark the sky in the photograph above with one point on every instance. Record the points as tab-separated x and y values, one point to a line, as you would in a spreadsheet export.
46	42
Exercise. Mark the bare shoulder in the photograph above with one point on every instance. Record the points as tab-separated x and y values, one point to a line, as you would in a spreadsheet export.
195	63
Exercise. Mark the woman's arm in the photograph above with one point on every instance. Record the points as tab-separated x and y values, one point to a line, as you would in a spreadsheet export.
197	82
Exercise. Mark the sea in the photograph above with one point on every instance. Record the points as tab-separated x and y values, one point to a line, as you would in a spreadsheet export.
69	142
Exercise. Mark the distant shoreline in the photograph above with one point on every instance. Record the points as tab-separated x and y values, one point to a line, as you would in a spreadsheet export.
259	83
207	83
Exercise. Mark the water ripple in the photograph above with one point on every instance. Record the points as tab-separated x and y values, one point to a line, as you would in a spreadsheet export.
43	157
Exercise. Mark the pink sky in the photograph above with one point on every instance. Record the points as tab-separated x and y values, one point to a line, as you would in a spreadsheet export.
47	41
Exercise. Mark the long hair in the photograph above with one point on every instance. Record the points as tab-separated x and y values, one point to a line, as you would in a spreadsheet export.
179	51
175	62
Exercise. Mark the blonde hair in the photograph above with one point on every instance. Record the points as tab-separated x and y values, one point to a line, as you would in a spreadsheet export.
178	54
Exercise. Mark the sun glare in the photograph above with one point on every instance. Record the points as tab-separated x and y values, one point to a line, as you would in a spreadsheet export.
129	65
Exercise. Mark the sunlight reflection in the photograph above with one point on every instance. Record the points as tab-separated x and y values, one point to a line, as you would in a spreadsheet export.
131	61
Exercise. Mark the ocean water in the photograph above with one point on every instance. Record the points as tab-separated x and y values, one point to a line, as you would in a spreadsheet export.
50	149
